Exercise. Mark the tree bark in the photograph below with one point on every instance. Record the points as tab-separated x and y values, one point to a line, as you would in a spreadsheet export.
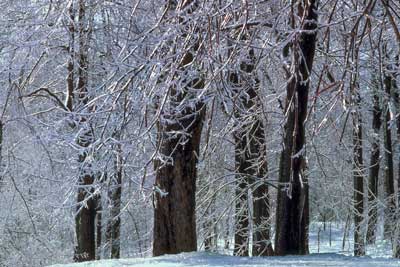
211	234
179	135
175	186
99	210
115	196
292	216
389	171
242	231
86	209
251	165
396	98
358	179
374	167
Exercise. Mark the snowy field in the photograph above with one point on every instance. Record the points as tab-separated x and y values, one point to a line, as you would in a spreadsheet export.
329	253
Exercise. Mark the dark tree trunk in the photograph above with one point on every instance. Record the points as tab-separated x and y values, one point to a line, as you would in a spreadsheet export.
374	168
396	244
115	197
292	215
251	166
85	224
175	186
396	241
396	93
99	211
70	63
396	99
179	135
86	216
250	160
87	206
358	180
262	244
389	171
242	231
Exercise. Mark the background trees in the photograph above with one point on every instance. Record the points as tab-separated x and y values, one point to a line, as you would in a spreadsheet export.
133	95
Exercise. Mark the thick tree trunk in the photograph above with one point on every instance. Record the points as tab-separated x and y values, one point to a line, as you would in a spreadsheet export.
85	224
86	216
87	205
175	186
389	171
292	216
374	169
179	135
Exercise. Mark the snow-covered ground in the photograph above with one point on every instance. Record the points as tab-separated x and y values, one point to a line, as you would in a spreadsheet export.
328	252
202	259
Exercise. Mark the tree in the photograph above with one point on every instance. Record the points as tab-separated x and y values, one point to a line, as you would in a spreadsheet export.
389	170
373	179
179	132
86	201
251	162
115	193
292	215
358	178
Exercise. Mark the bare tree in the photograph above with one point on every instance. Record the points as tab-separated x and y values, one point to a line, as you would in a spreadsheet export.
179	133
292	215
373	179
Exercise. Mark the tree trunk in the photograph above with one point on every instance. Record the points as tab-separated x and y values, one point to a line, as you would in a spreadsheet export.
211	234
389	173
99	211
86	215
396	244
115	196
179	135
358	180
250	160
292	215
374	168
262	244
396	98
242	231
175	186
251	165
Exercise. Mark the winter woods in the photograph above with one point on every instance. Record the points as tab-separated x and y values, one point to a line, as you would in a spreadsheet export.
137	128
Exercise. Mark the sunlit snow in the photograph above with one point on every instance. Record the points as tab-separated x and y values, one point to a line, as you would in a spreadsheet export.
330	248
202	259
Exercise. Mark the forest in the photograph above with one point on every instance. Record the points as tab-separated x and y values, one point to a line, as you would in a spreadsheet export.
226	130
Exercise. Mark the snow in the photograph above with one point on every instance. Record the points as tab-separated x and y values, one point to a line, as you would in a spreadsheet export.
203	259
328	252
